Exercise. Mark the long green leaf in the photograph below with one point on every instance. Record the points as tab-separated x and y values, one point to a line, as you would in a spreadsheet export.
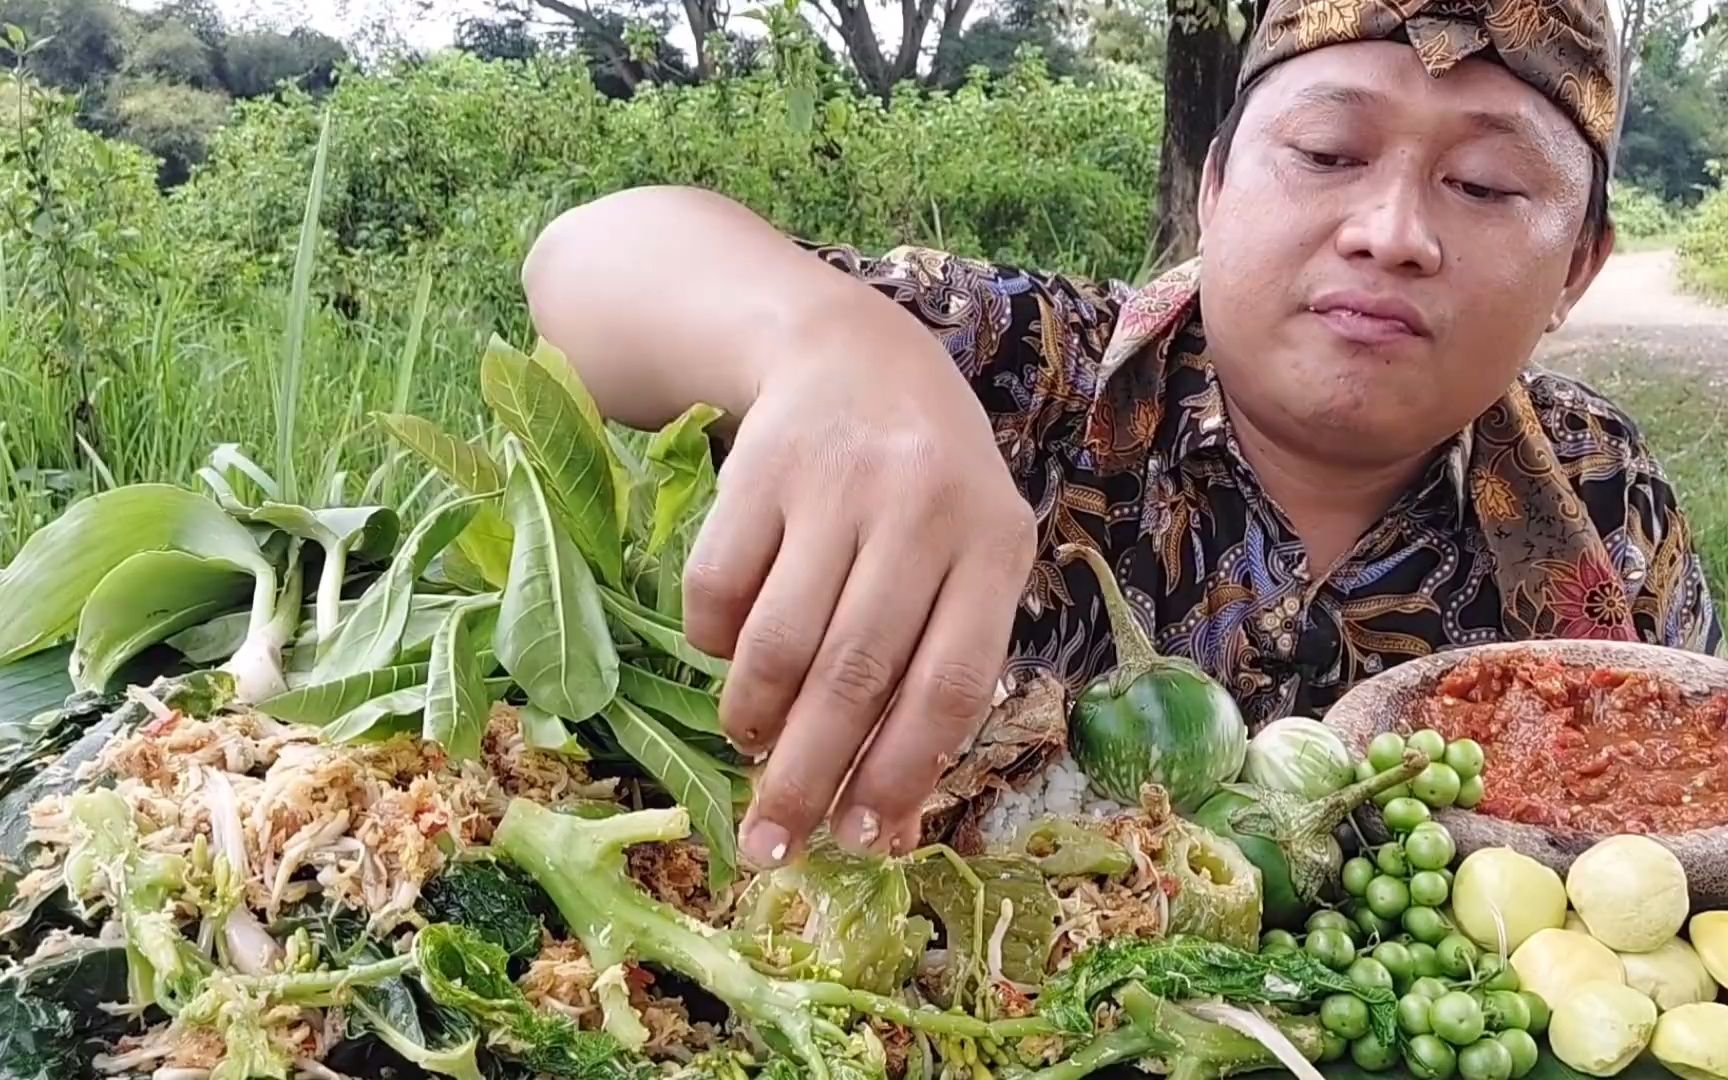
543	731
679	459
323	703
660	632
371	637
150	596
46	586
555	363
299	303
552	633
360	721
33	685
456	701
687	706
468	466
575	461
689	776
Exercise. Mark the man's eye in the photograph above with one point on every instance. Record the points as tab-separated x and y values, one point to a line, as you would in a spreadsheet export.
1480	192
1323	160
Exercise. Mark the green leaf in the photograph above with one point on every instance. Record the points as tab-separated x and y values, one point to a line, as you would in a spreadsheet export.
485	543
291	375
212	641
145	599
659	631
371	636
45	588
468	466
556	364
367	531
543	731
322	703
360	721
573	458
456	702
691	777
552	634
33	685
689	707
679	459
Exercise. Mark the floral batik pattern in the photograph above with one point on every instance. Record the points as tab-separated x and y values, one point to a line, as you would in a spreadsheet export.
1547	518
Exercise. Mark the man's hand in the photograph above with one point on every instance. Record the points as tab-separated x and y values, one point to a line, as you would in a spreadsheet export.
861	568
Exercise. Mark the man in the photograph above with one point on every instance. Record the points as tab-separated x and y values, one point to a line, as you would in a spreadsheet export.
1310	455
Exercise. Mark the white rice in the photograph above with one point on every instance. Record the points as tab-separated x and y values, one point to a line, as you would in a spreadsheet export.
1061	789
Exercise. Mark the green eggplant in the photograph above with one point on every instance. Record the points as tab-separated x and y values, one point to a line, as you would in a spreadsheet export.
1154	719
1290	837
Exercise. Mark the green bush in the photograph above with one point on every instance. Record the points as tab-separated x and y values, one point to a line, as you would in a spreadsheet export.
1640	214
138	330
1704	246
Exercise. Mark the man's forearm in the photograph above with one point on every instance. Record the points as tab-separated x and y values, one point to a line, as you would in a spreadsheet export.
663	297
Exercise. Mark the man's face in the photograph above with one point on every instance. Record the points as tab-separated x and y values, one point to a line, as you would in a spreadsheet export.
1385	249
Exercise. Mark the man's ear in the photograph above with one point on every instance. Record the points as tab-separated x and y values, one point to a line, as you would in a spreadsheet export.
1211	179
1588	259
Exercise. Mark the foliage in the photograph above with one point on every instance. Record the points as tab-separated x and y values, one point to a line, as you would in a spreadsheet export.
173	121
1639	214
1704	246
1677	109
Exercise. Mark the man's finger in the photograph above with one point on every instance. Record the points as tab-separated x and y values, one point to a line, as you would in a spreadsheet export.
943	700
872	637
728	563
784	630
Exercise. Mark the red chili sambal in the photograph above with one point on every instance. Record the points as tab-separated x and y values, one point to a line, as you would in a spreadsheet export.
1594	749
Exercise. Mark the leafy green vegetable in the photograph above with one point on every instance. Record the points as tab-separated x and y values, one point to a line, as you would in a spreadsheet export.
543	731
32	685
390	1012
45	588
573	457
688	707
371	637
1158	1036
322	703
457	705
471	468
661	632
678	459
368	531
1184	968
624	471
580	863
462	970
552	637
148	597
690	776
367	718
859	912
493	899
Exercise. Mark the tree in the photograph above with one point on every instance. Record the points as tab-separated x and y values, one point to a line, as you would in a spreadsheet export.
255	63
497	39
1676	119
1202	56
172	121
174	52
995	42
82	42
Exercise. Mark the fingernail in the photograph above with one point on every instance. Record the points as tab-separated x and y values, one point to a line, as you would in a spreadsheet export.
765	843
860	828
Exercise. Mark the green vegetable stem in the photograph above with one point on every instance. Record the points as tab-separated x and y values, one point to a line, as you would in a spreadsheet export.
1290	838
581	865
1154	719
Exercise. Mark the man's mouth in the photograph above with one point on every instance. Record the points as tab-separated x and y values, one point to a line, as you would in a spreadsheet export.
1369	320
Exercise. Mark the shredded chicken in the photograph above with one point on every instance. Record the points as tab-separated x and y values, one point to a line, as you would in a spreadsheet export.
561	978
1136	906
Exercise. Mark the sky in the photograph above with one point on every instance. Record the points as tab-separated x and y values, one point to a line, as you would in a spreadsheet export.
344	18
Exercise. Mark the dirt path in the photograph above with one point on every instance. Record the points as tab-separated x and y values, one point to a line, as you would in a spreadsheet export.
1636	312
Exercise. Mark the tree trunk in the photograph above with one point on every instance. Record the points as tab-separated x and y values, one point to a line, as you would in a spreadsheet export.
1201	59
1631	39
704	20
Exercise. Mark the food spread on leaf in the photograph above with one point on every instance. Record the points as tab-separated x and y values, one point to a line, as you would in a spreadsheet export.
296	788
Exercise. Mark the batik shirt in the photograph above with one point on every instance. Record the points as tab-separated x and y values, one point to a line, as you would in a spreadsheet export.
1547	518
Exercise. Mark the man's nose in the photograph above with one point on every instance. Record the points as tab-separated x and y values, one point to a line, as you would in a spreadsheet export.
1393	226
